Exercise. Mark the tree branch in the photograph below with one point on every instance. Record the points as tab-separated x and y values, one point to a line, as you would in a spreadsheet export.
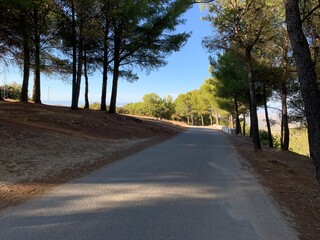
207	1
311	12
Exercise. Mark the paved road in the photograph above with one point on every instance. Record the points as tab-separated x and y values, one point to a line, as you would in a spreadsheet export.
191	187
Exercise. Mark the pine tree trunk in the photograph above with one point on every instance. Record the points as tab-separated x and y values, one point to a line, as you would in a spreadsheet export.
253	100
211	120
74	103
284	119
36	96
79	61
250	119
236	109
270	140
231	121
202	121
217	118
244	125
79	72
26	65
103	105
26	74
86	92
115	79
116	66
307	78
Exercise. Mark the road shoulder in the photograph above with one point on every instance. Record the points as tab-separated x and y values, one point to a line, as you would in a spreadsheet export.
290	179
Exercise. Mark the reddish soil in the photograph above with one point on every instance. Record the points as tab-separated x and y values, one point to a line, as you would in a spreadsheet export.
290	179
42	146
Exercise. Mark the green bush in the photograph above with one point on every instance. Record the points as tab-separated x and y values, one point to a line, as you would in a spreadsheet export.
276	141
122	110
263	134
11	91
94	106
247	130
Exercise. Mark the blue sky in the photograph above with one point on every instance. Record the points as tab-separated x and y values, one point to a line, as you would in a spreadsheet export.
185	71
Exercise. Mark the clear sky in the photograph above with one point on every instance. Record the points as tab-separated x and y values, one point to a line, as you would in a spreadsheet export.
185	71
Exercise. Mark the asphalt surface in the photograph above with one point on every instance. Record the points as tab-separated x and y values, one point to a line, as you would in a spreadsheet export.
192	187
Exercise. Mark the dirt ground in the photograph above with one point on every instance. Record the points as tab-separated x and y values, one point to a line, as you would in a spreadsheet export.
290	179
42	146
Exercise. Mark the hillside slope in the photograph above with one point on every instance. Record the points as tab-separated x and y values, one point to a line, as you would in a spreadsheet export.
43	145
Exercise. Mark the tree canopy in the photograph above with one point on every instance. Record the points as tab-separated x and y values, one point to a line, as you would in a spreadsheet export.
76	37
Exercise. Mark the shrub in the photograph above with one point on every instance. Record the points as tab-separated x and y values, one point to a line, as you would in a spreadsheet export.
11	91
94	106
263	134
122	110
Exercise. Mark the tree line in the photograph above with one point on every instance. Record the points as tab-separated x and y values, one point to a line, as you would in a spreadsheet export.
196	107
272	47
79	37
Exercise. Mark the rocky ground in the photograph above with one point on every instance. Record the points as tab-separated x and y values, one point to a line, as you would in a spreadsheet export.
42	146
